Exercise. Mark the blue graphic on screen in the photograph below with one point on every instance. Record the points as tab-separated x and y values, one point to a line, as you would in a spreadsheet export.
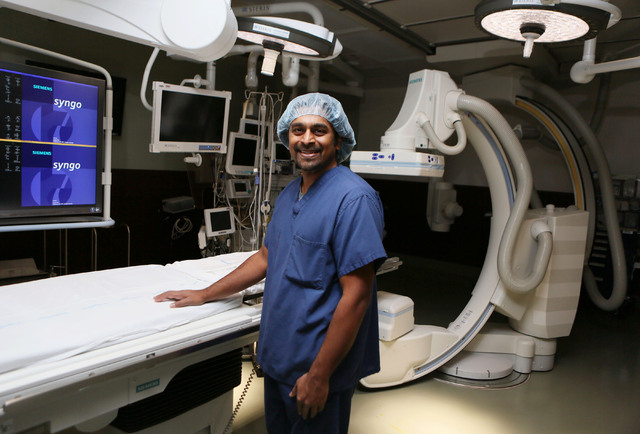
59	142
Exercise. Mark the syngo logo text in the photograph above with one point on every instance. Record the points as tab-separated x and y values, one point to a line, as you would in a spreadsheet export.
66	166
66	103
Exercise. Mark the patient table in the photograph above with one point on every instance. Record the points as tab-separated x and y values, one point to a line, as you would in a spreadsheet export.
94	349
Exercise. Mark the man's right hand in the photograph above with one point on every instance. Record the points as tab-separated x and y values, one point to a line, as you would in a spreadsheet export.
187	297
250	272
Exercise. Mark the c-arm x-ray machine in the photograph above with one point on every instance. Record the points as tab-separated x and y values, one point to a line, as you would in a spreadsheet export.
533	266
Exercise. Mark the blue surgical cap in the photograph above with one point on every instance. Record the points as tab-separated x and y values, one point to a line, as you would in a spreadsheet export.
322	105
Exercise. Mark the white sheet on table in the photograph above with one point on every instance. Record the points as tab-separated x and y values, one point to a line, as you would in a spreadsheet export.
56	318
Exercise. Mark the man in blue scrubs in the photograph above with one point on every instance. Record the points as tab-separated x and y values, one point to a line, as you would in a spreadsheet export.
319	325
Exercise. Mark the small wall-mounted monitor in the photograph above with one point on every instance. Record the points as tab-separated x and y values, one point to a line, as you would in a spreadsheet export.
282	152
52	146
252	126
219	221
242	154
186	119
239	188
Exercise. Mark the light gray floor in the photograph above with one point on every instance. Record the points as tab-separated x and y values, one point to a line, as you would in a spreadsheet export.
593	388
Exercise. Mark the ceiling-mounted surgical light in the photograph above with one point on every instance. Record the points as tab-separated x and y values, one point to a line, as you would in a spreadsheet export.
544	21
283	35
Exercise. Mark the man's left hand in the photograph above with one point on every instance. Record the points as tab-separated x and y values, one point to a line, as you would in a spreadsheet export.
311	394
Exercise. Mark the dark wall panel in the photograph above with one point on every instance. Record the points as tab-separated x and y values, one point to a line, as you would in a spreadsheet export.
137	205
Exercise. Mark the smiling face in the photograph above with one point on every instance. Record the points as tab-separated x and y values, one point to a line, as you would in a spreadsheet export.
313	145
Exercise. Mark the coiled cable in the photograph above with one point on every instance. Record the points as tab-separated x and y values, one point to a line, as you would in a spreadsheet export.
243	395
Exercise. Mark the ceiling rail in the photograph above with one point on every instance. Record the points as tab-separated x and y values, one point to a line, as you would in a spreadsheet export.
377	18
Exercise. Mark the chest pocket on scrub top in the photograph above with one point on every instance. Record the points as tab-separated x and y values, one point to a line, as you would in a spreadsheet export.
306	264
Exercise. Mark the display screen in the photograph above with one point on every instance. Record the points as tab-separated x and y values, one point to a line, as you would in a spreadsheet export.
282	153
51	141
218	221
244	151
242	155
187	119
251	127
192	118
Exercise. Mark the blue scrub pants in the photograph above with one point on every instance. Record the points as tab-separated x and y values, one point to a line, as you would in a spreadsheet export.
281	411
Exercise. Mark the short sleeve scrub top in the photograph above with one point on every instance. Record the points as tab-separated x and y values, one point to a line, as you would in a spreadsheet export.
334	229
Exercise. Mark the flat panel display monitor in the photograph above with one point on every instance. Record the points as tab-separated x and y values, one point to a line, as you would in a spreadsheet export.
242	154
282	152
186	119
219	221
253	127
239	188
52	145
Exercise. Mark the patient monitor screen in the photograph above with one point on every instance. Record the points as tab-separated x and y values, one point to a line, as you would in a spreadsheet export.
50	143
218	221
192	118
244	153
